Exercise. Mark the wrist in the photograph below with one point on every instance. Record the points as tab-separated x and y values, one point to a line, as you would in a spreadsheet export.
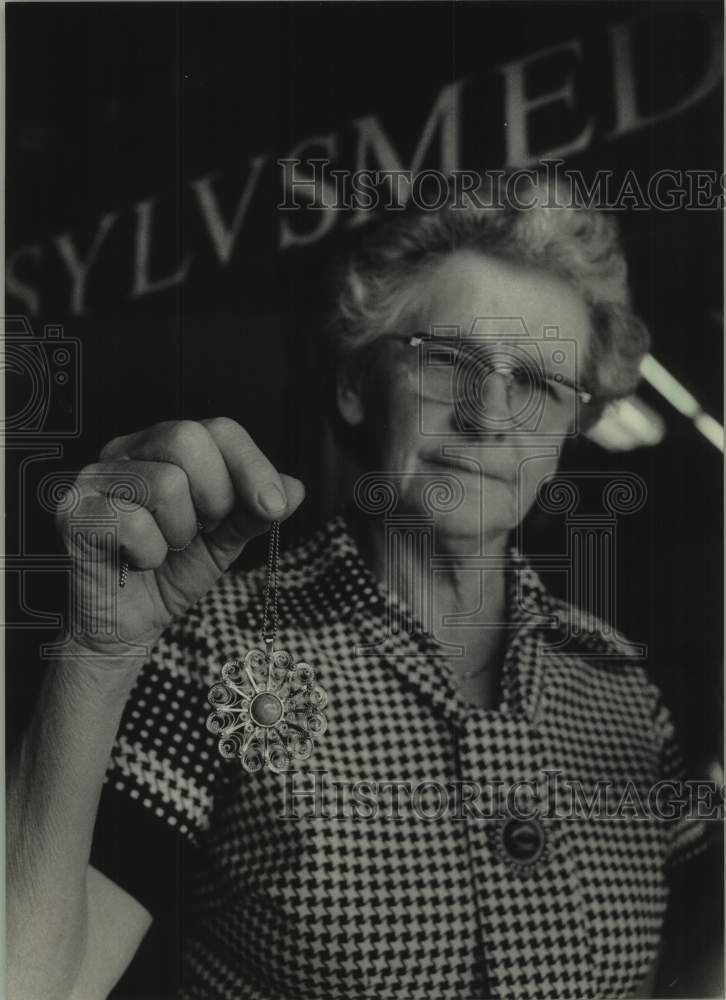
108	665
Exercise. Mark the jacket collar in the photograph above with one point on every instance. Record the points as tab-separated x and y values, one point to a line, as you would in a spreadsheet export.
332	573
386	628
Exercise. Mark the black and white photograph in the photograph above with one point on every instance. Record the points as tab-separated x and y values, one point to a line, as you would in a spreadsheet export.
363	554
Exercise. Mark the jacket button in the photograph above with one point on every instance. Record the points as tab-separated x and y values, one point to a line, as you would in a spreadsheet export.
523	840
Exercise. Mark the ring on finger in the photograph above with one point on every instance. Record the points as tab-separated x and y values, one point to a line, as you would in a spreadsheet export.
124	567
183	548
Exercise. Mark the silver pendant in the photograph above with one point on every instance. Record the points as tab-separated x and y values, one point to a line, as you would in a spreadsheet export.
266	710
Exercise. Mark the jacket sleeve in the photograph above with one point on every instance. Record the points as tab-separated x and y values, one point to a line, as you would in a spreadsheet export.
158	795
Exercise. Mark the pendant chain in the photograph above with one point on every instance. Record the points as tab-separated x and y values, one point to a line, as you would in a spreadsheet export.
269	615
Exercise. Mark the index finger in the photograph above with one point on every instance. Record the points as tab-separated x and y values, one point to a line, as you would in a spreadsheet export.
188	445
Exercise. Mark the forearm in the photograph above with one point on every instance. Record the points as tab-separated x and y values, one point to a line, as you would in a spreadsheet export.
54	785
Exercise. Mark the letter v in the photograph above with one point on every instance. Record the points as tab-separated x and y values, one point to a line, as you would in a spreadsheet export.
224	237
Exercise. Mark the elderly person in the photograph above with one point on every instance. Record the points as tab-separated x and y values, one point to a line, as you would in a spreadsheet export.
279	882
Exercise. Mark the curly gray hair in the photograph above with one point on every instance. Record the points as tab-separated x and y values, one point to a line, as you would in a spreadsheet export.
579	245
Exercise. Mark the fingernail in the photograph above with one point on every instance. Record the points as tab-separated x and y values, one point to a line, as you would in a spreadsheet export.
271	499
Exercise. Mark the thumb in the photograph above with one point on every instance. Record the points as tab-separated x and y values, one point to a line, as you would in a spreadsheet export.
230	537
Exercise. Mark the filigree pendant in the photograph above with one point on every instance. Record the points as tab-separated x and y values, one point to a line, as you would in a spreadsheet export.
267	709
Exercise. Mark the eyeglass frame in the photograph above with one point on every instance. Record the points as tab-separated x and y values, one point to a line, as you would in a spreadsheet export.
416	339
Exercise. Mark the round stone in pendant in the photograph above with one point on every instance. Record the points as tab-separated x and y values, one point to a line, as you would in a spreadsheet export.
266	709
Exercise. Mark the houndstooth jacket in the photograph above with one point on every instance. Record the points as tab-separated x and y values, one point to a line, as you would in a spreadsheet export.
289	895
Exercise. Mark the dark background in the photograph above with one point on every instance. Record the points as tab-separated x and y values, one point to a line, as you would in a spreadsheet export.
110	104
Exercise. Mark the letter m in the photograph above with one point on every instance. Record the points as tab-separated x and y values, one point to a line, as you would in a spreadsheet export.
444	118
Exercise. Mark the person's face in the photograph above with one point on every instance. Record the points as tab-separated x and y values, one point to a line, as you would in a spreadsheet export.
496	445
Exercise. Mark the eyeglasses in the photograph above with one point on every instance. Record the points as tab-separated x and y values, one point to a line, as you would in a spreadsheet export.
459	373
